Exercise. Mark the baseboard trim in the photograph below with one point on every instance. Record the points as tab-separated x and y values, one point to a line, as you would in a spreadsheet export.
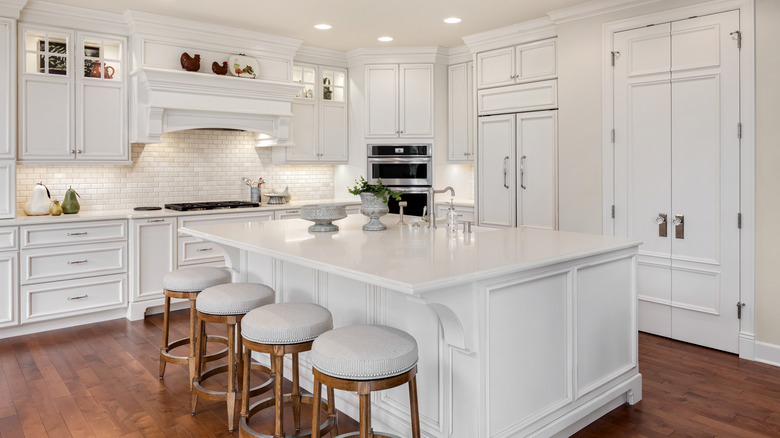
767	353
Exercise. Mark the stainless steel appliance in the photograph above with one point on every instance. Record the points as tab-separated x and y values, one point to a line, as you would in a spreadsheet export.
188	206
407	167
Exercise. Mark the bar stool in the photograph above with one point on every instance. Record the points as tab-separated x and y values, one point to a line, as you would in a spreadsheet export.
227	304
280	329
188	283
362	359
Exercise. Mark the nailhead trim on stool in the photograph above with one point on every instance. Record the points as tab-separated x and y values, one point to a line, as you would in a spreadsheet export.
234	298
286	323
195	279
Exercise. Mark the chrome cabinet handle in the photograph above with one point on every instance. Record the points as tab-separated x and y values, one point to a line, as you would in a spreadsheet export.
77	262
522	173
661	221
679	226
155	220
506	165
83	233
205	249
78	298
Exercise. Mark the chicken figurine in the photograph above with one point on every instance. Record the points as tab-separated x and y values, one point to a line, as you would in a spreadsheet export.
219	69
190	63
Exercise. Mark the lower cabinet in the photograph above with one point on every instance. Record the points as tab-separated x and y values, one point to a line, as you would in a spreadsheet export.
59	299
8	288
153	254
287	214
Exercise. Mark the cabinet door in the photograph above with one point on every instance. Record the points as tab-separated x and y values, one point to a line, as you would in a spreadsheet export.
153	248
416	100
461	100
535	61
7	87
333	132
496	67
536	167
496	204
100	100
304	131
8	289
382	101
46	95
7	189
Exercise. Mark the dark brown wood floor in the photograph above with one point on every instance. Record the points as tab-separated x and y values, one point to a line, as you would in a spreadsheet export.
100	380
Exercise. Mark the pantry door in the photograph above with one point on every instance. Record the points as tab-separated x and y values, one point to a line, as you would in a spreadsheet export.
677	174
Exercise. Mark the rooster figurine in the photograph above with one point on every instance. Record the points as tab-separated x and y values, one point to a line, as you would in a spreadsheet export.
220	70
189	63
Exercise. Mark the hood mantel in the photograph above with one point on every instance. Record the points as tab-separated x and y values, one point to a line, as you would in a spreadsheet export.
164	100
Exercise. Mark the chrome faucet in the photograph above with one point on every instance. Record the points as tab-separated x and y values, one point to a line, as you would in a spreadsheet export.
431	215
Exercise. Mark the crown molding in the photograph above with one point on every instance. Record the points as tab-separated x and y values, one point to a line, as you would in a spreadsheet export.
594	8
390	55
73	18
317	55
525	32
11	8
458	55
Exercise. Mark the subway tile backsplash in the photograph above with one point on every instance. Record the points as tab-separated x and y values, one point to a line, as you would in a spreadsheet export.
196	165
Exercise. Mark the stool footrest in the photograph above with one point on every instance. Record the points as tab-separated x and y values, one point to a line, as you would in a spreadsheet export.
269	402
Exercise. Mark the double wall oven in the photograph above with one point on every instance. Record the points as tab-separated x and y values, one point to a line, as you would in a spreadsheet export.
407	167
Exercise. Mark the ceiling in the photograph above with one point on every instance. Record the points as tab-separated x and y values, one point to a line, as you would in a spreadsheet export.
356	23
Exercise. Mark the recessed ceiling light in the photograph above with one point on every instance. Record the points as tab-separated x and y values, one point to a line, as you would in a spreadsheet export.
322	26
452	20
385	39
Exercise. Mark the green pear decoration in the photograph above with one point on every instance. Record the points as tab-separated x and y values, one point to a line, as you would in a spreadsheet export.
70	204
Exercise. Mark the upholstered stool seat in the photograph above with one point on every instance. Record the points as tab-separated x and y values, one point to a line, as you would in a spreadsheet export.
227	304
363	359
187	283
280	329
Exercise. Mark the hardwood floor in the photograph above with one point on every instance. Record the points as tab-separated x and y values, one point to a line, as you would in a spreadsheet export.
100	380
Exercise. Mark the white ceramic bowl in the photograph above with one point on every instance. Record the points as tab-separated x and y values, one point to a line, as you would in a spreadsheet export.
323	215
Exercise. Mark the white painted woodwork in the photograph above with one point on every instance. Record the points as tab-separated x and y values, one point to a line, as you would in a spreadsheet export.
76	261
194	251
59	299
287	214
574	296
677	152
9	289
334	142
460	85
497	193
8	190
537	164
67	234
399	101
464	213
304	128
8	238
7	91
512	65
152	255
46	119
209	219
516	98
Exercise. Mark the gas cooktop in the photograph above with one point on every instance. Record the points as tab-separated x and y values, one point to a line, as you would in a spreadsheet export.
188	206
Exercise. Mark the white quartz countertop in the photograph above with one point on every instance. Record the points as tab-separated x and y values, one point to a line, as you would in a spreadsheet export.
406	259
98	215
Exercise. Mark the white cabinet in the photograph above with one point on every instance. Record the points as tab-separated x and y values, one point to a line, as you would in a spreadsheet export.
319	115
287	214
72	96
517	170
399	101
465	214
512	65
153	254
193	251
7	189
7	90
9	265
461	111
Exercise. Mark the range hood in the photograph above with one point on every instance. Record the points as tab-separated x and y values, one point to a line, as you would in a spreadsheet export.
165	100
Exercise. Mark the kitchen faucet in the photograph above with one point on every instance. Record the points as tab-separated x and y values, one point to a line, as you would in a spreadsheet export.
431	214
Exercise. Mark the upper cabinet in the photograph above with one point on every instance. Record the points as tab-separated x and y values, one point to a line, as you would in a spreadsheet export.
72	96
461	111
512	65
319	115
399	101
7	95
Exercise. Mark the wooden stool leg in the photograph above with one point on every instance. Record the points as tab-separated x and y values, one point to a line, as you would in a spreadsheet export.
278	391
193	322
415	412
296	393
315	408
332	412
365	415
195	375
230	397
239	354
166	325
245	383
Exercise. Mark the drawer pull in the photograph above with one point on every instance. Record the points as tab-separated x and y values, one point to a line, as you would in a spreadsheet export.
78	298
156	220
292	212
205	249
78	262
83	233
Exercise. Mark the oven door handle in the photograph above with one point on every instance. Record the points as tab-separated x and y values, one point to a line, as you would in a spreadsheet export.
399	160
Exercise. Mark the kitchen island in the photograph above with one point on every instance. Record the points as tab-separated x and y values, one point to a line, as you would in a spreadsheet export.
521	332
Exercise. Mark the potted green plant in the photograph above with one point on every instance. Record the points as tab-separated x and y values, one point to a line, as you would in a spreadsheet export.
373	199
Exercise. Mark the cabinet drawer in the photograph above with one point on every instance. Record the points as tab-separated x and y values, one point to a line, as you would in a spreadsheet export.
192	221
73	297
514	98
8	240
50	264
193	250
36	236
287	214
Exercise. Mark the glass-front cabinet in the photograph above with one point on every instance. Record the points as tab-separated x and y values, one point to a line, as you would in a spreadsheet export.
319	115
72	96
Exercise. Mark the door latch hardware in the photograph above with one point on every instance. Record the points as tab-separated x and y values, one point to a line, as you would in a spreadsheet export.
739	38
679	226
662	225
739	309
